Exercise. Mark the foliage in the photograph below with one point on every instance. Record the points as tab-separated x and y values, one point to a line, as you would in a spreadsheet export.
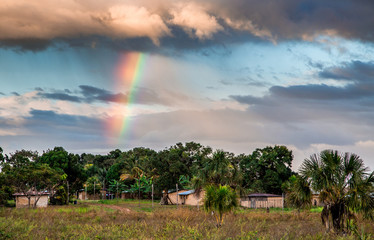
68	163
117	186
218	169
219	200
59	198
344	185
298	194
265	170
184	182
93	185
142	185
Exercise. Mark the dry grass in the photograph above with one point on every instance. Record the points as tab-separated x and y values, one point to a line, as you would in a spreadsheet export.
101	221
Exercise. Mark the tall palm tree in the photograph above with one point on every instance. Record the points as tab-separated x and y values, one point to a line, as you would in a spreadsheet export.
219	200
344	186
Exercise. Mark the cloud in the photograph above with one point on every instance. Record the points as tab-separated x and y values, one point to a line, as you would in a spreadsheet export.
91	94
319	113
352	71
60	96
195	20
35	25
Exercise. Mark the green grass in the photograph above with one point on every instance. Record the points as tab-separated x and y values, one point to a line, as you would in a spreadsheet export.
120	201
316	209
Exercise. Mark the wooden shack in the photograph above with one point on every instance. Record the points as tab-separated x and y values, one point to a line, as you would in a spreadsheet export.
262	200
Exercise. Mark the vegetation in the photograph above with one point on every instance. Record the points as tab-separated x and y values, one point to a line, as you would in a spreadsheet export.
219	200
94	220
298	193
343	184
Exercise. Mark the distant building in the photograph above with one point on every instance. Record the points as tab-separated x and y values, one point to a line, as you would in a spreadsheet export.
41	199
187	197
262	200
315	201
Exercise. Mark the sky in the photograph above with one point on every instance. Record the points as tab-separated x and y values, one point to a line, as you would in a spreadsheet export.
93	76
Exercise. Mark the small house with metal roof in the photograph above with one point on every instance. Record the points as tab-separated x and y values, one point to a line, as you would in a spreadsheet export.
186	197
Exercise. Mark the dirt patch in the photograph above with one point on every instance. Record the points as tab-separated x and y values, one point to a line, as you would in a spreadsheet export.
114	207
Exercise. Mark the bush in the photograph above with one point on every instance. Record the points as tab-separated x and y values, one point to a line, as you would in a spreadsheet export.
10	203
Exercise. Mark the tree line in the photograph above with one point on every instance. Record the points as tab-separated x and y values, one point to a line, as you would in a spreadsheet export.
341	180
190	165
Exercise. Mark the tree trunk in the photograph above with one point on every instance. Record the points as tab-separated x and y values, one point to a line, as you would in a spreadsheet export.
165	199
325	217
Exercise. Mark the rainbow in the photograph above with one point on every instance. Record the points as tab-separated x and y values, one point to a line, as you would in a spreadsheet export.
128	74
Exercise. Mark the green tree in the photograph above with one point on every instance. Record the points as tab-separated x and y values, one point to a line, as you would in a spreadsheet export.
70	164
93	185
344	184
219	200
265	170
33	178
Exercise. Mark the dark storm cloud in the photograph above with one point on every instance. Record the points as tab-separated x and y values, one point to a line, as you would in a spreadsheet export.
41	117
60	96
181	25
353	71
91	94
26	44
358	90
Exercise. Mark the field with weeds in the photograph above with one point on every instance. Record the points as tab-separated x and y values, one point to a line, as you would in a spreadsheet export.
130	219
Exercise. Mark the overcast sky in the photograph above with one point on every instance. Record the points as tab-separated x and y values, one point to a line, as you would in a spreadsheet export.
235	75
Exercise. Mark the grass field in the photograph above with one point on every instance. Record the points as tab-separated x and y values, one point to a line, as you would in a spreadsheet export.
131	220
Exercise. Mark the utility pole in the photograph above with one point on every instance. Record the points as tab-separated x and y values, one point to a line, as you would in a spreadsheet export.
117	190
94	189
85	195
68	193
152	195
177	194
139	191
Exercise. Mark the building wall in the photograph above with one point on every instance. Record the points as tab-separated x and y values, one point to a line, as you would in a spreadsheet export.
194	200
82	196
271	202
191	200
316	202
23	202
173	197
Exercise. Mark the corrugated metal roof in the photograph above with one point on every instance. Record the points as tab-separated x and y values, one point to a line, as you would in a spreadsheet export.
187	192
32	193
263	195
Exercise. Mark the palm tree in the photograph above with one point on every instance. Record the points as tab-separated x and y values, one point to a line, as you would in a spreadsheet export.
219	168
299	194
344	186
219	200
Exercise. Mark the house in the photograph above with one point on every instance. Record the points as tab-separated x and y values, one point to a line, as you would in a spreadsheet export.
40	198
82	195
186	197
315	201
262	200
